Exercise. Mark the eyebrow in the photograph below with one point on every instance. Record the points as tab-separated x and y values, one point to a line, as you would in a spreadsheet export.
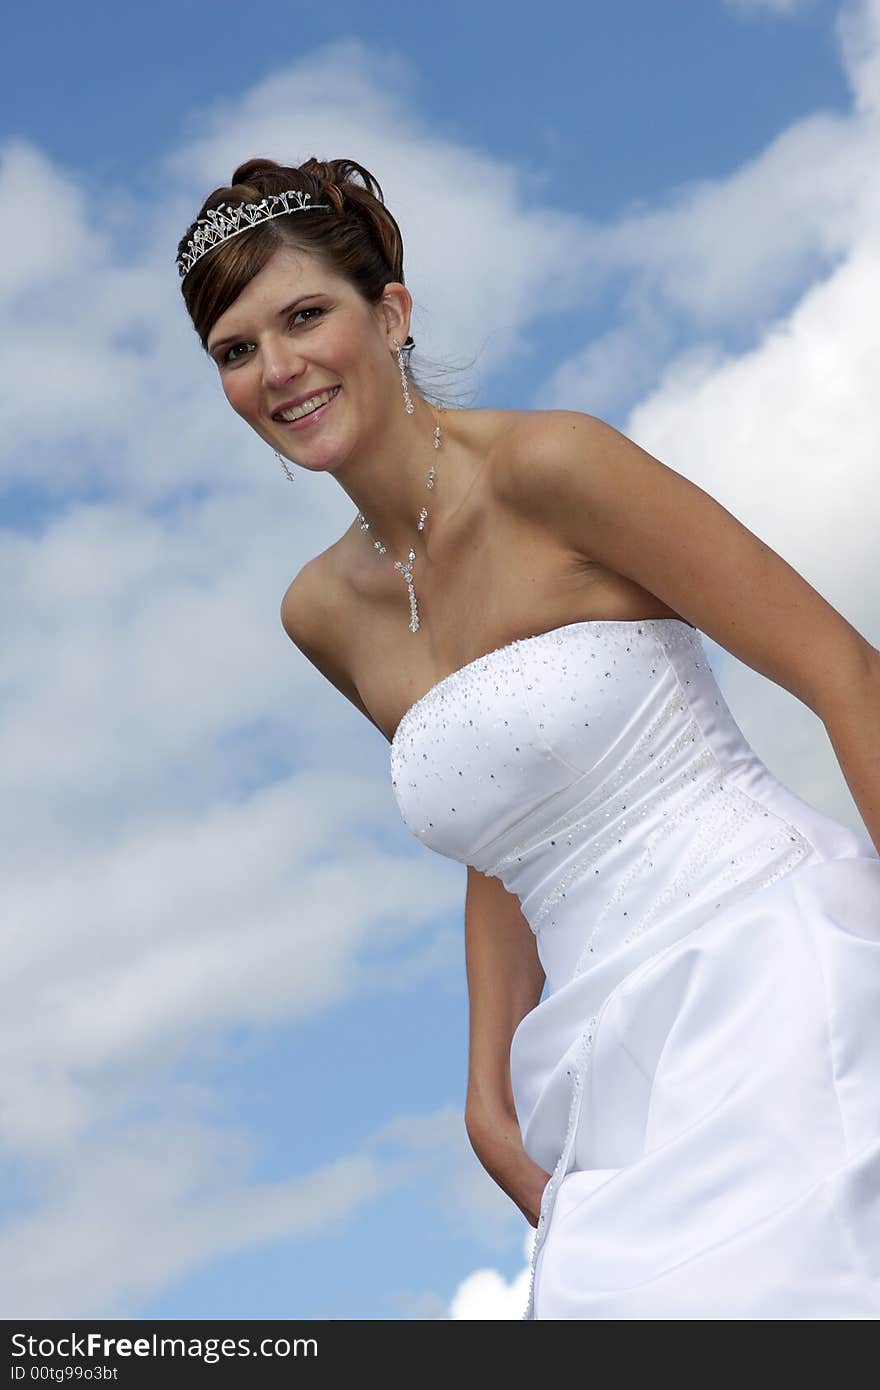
236	337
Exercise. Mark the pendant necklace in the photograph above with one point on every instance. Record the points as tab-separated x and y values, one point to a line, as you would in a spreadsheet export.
406	569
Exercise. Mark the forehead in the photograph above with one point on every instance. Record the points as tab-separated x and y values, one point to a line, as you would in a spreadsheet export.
288	272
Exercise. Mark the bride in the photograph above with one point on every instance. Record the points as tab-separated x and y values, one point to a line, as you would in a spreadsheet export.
673	962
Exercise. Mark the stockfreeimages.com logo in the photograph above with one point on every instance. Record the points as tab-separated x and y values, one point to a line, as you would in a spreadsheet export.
96	1346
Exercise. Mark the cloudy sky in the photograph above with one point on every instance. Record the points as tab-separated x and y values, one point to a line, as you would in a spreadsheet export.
233	1015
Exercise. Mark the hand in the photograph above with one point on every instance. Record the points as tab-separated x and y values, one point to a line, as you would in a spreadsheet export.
497	1142
528	1189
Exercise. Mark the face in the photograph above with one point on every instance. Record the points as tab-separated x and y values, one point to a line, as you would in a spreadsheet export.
295	330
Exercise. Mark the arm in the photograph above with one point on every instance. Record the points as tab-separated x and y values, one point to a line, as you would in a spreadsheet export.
505	979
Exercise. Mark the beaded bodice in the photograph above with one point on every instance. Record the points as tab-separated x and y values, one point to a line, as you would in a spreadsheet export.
597	770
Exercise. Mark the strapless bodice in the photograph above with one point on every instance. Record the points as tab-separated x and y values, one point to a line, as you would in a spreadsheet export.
600	761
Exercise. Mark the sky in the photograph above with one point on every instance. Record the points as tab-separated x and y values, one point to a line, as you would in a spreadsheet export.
233	1009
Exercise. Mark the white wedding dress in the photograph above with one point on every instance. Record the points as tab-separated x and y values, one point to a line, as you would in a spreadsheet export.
702	1076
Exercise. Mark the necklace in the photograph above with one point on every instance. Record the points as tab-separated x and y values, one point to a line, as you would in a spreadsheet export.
406	569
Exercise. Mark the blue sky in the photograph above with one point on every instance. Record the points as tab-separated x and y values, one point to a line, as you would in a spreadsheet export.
620	102
235	1037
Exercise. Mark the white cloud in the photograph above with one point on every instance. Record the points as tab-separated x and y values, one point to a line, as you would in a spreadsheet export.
486	1295
50	241
132	1213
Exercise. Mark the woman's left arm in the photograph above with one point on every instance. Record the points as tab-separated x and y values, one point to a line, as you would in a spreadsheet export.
613	502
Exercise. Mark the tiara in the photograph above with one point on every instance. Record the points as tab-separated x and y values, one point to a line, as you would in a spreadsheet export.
217	225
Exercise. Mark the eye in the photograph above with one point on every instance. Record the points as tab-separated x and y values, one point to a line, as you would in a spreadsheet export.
227	357
315	309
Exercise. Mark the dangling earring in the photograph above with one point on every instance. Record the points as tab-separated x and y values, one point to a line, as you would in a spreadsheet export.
283	462
400	351
408	346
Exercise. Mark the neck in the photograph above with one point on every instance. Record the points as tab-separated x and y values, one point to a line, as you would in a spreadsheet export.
389	484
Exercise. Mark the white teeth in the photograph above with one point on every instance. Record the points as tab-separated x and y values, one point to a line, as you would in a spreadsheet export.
296	412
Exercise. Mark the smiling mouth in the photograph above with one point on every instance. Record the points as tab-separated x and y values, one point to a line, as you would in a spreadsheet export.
282	418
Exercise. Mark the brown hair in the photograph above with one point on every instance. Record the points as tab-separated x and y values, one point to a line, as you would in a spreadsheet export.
359	240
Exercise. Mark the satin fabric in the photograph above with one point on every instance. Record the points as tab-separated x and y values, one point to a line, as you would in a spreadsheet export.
702	1075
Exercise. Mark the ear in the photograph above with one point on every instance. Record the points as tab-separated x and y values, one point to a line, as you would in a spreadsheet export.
396	307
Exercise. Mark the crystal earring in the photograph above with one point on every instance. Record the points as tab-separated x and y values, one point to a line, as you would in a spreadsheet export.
283	462
400	351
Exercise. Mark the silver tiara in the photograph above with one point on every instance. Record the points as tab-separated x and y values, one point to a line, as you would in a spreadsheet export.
217	225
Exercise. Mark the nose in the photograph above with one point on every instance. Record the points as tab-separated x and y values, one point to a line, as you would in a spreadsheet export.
280	365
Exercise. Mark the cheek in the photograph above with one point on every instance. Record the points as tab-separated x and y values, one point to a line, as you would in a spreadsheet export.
239	395
340	352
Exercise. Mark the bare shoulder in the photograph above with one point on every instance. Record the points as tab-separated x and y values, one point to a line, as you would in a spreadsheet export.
314	614
534	444
570	474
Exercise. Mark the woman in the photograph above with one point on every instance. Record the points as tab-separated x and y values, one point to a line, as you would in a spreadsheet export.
691	1116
